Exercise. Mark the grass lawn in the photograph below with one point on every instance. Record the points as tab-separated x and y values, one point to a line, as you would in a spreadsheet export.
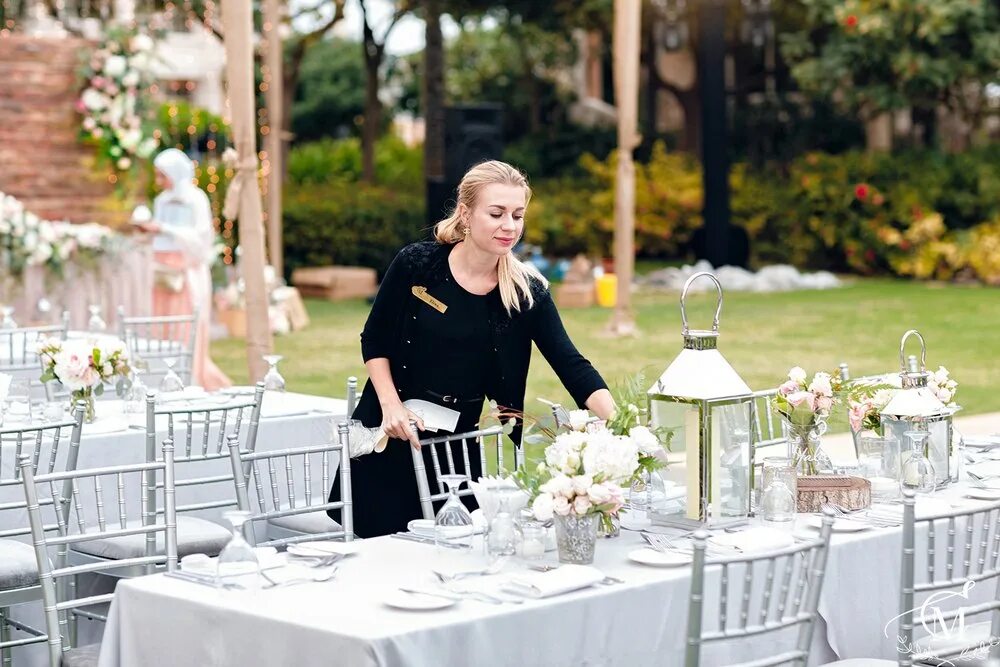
762	336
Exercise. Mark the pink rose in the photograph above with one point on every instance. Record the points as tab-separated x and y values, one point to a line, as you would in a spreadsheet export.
581	505
856	415
561	506
824	403
798	398
788	387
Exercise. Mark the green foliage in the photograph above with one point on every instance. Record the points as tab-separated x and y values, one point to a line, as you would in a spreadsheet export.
340	222
879	55
330	97
340	160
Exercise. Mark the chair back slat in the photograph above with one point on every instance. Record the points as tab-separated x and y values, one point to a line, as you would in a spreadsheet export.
437	467
50	552
158	339
465	441
801	615
274	464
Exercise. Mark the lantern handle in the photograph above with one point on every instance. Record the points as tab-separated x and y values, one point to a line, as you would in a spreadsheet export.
923	350
718	305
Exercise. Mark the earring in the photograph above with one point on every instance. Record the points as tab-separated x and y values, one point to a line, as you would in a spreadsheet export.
465	230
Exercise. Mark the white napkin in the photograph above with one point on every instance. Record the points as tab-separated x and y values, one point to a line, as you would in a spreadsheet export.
185	394
484	490
563	579
757	538
5	381
436	417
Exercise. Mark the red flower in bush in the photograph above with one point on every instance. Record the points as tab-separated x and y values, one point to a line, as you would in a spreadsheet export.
869	255
851	21
904	245
861	191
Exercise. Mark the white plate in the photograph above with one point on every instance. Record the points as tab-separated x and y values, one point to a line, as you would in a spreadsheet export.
839	525
421	527
416	601
244	390
983	494
328	548
658	558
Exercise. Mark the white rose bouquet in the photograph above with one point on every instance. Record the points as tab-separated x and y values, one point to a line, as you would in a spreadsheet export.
85	366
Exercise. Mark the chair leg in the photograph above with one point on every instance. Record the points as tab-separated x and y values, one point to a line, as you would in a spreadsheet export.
74	584
5	657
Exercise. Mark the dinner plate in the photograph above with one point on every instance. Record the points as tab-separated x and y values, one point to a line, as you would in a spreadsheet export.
982	494
839	525
658	558
244	390
327	548
421	527
416	601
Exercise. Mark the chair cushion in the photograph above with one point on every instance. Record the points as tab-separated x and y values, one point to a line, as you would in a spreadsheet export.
311	523
861	662
975	635
84	656
194	536
18	567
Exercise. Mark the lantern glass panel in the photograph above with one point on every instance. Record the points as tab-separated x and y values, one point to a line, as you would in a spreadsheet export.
730	488
939	442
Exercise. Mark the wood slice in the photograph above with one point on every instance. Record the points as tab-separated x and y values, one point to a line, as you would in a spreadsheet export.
851	493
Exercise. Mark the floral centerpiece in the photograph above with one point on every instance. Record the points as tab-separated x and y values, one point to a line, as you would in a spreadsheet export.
587	466
806	407
84	367
866	400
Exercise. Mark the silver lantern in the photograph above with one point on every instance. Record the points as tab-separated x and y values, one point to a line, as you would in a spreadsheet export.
708	409
916	408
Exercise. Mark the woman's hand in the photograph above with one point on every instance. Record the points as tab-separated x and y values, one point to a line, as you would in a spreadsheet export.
149	227
396	419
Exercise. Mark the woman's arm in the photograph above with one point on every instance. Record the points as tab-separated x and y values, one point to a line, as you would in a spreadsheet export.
395	416
581	380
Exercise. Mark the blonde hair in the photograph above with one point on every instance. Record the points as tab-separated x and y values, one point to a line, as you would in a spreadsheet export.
513	275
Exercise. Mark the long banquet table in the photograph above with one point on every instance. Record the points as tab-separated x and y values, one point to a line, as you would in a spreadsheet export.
162	621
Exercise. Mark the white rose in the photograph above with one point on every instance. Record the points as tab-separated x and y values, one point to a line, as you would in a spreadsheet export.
581	484
542	507
599	494
797	374
644	439
142	42
820	385
115	66
561	506
578	419
94	99
581	505
561	485
131	79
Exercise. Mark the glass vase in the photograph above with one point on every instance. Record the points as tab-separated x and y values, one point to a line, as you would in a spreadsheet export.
87	396
576	537
806	451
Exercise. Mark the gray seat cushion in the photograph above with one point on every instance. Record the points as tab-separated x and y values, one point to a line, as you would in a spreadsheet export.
194	536
975	639
311	523
18	567
84	656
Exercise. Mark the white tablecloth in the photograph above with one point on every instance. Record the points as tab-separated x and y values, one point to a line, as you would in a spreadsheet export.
287	420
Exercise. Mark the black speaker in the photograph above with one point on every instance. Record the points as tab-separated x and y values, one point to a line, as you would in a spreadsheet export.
473	133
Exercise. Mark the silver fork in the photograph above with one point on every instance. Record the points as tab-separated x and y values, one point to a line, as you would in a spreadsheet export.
317	578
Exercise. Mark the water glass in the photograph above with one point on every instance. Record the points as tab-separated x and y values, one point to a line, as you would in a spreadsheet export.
8	318
96	323
780	489
54	411
135	398
453	524
171	382
17	410
880	465
501	539
533	537
237	563
273	381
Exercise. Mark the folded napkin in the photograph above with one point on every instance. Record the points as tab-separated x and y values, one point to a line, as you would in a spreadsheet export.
488	499
563	579
185	394
757	538
435	417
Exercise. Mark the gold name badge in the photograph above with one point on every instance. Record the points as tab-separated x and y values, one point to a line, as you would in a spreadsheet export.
421	293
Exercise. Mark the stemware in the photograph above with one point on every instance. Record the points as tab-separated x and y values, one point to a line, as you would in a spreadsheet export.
237	562
96	323
18	408
8	318
918	471
135	399
171	381
780	483
453	523
272	379
501	540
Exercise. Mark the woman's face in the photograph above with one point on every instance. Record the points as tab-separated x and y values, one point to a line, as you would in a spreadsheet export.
496	219
163	181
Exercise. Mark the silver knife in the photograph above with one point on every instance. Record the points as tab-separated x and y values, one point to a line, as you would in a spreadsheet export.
425	540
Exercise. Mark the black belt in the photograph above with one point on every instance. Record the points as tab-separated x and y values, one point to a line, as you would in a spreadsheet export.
450	399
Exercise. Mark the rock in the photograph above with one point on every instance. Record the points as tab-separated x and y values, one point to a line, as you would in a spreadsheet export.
775	278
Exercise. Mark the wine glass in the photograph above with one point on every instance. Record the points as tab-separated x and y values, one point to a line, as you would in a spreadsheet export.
453	523
237	562
918	471
96	323
8	318
135	399
501	540
273	380
171	382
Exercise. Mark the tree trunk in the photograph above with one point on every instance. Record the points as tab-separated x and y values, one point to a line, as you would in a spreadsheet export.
433	93
373	111
274	141
878	133
238	20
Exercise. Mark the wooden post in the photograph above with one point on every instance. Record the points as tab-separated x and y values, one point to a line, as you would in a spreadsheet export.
273	141
243	198
628	17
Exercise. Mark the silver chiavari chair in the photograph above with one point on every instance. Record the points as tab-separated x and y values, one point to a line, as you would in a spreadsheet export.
287	517
352	395
19	359
467	441
954	553
788	598
155	340
48	448
112	520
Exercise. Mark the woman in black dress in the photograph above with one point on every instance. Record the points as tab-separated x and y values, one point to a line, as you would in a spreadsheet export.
453	324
